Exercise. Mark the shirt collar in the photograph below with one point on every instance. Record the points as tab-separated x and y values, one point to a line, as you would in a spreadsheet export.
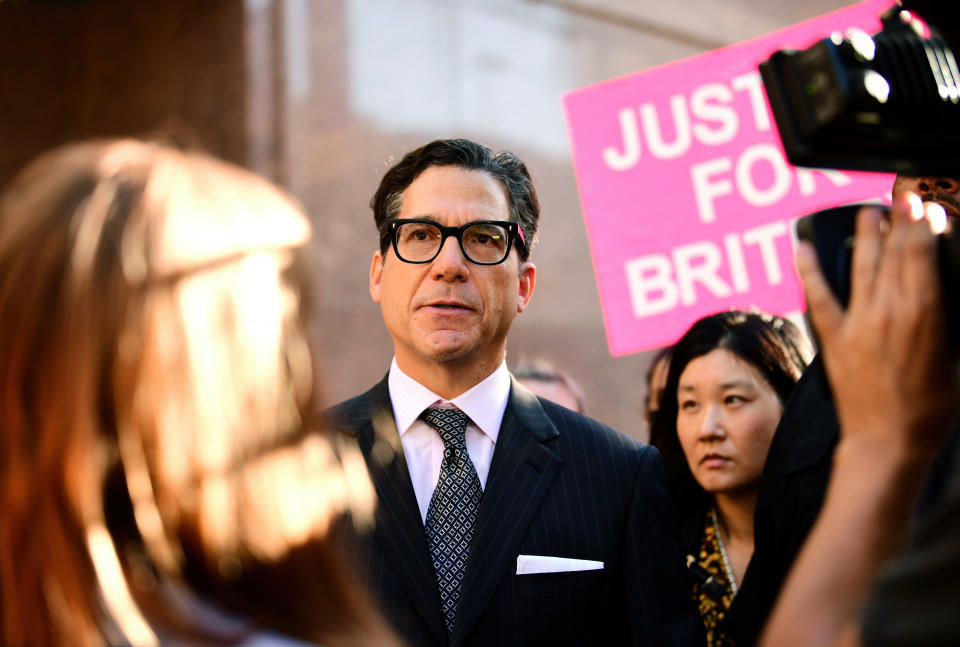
483	403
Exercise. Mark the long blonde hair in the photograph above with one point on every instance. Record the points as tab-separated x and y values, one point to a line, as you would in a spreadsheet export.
154	355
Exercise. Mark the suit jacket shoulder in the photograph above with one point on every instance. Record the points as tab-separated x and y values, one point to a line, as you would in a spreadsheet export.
568	419
350	413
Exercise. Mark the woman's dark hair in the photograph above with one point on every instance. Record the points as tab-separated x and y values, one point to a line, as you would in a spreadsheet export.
772	345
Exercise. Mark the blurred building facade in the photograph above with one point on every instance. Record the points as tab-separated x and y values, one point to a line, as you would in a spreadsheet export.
323	95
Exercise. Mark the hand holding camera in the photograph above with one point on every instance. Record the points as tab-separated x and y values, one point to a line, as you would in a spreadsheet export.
888	345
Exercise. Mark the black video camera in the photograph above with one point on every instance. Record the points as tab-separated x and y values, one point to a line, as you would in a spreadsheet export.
888	102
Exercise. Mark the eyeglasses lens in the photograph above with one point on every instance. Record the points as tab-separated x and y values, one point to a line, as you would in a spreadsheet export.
482	243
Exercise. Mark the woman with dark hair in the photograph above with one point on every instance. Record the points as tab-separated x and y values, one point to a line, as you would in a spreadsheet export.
729	377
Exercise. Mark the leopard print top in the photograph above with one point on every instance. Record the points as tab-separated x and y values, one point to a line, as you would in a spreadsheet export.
712	591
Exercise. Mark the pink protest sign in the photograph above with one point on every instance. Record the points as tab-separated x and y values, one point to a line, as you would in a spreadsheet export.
687	196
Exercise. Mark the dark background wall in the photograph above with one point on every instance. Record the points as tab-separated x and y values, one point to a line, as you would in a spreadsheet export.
85	69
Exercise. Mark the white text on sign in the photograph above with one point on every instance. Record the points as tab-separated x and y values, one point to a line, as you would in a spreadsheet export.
658	282
711	179
717	122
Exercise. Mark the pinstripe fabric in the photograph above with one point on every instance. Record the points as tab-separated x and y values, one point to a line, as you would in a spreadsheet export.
560	484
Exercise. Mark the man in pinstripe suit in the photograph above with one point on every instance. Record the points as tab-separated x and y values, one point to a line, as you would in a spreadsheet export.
531	524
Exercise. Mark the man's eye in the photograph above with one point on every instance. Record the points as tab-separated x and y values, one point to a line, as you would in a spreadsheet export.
417	233
485	236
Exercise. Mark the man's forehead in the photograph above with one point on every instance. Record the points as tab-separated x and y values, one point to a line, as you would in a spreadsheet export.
452	190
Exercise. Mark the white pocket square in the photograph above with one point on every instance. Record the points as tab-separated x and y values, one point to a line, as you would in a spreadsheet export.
531	564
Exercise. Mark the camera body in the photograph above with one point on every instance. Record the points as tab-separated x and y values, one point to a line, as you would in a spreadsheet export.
886	102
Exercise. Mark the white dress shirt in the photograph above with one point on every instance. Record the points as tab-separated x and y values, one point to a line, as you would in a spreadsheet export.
484	405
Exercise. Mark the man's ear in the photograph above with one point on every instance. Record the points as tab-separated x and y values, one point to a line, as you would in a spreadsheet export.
376	274
528	280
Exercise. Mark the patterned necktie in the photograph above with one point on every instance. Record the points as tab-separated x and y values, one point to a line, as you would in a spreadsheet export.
452	513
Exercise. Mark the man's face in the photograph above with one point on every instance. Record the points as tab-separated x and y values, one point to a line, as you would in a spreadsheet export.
945	191
451	310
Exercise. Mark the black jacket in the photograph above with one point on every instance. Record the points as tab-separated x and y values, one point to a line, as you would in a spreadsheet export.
560	484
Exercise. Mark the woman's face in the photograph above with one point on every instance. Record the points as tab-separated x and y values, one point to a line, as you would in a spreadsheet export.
726	415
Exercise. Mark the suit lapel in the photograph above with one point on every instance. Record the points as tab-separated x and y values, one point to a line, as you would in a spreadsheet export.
521	472
399	530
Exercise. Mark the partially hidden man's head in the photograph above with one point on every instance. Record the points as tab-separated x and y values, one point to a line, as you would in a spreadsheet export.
503	166
552	383
656	379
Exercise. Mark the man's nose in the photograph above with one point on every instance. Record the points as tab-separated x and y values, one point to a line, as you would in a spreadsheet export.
933	184
450	263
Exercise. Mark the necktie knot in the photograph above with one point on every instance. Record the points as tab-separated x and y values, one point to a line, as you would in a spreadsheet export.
451	424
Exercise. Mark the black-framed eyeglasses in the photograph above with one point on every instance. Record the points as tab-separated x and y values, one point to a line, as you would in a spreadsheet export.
484	242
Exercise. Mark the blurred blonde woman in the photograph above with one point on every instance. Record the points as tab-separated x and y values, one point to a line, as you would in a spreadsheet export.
159	483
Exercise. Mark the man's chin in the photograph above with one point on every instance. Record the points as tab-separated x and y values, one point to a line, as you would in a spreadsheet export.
448	345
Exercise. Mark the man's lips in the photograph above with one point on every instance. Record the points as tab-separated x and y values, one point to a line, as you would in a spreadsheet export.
448	306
